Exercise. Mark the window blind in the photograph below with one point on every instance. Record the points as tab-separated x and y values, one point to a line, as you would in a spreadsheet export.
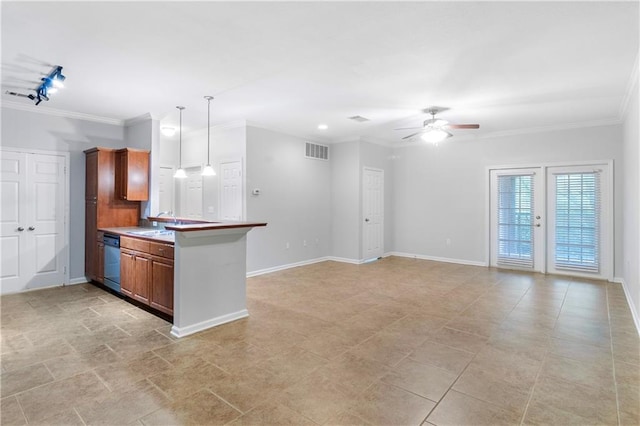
515	220
577	221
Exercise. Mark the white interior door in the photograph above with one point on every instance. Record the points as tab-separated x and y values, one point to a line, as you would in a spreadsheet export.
14	264
33	222
191	194
231	191
166	186
552	219
373	213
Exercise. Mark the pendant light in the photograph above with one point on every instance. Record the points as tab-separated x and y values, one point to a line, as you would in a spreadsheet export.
208	170
180	173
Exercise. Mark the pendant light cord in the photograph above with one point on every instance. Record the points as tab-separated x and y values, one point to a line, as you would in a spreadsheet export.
208	98
180	156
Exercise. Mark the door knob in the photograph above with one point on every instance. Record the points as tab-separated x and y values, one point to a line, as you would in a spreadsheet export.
366	220
32	228
20	229
538	225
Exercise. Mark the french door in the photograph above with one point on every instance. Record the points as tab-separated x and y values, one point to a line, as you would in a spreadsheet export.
552	219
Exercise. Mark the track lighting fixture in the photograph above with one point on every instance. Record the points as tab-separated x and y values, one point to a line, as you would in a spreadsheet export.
50	85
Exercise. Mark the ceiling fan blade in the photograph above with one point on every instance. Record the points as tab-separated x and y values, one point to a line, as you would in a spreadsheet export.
408	128
411	135
463	126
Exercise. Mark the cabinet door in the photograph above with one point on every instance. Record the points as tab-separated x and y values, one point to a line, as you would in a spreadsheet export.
162	285
142	278
127	272
100	262
91	182
132	175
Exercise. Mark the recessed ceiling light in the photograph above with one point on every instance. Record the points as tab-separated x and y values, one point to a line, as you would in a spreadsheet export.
322	127
168	131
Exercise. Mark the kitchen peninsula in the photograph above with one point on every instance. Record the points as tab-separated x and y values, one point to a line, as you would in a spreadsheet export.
192	270
210	274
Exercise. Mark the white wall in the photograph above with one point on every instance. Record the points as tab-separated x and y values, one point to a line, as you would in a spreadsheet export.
631	204
345	200
440	191
295	200
33	130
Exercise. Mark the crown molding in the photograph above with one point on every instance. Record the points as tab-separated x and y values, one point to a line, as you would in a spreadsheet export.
135	120
632	85
60	113
552	128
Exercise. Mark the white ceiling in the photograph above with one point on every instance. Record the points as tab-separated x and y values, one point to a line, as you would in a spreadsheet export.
509	66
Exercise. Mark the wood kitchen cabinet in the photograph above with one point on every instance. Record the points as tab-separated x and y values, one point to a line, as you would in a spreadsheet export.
102	209
146	272
132	174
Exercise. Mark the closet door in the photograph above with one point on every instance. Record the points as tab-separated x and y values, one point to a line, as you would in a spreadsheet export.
33	223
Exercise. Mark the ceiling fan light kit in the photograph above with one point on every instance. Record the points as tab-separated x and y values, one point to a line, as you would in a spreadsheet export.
436	130
435	136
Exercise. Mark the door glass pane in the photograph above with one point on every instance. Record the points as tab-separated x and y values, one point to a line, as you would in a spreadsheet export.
515	220
577	221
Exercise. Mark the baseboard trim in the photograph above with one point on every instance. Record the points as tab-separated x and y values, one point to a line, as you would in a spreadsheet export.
632	307
345	260
439	259
286	266
223	319
79	280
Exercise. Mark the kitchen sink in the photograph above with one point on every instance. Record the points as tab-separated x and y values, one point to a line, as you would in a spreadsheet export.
152	232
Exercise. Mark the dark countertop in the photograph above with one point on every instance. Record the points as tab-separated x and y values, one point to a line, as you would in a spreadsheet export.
212	226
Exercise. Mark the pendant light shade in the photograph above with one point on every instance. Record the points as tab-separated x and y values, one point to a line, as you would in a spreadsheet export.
180	173
208	170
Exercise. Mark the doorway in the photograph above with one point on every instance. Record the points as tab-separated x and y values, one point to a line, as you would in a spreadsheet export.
553	219
33	232
372	213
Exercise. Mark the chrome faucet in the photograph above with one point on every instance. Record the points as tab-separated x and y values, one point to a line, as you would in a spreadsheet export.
169	213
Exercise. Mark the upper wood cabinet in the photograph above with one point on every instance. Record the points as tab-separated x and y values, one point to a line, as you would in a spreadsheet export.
132	174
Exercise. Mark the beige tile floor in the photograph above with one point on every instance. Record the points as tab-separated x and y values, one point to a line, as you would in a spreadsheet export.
395	342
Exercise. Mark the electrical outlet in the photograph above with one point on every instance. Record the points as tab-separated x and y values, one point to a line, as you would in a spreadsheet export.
448	241
304	243
286	246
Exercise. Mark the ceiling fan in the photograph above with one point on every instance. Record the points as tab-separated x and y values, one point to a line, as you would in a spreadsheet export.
436	130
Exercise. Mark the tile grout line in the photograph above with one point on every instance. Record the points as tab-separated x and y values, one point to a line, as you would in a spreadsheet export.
613	362
544	359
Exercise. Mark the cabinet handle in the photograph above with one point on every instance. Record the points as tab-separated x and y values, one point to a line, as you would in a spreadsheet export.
160	249
20	229
32	228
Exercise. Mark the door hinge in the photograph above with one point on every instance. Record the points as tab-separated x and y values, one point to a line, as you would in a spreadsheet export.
64	270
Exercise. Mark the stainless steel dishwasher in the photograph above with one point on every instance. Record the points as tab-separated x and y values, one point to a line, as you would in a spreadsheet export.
112	261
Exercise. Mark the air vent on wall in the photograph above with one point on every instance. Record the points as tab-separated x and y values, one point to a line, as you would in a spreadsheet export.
319	152
359	118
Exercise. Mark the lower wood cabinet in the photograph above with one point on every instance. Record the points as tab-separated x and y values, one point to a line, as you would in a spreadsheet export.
146	277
